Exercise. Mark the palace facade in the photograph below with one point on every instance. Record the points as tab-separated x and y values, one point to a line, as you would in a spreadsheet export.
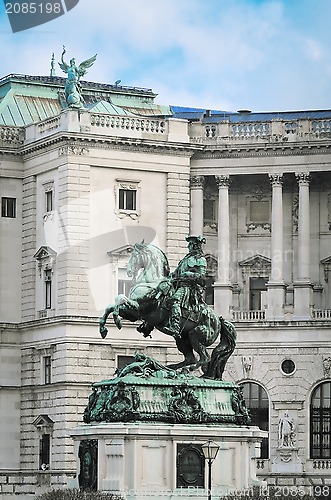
79	187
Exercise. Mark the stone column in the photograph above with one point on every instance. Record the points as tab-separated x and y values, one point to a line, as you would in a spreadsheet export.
276	284
222	286
196	189
303	285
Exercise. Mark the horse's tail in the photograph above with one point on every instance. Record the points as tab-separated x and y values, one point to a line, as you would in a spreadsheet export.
223	350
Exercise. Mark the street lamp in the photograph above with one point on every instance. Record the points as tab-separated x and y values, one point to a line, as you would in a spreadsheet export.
210	450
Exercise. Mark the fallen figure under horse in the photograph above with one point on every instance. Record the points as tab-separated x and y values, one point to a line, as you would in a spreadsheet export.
151	300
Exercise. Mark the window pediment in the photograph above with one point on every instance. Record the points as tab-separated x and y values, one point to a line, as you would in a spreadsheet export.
256	262
120	253
43	423
45	257
258	266
44	252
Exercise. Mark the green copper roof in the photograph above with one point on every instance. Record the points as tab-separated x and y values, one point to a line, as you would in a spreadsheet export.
107	107
28	99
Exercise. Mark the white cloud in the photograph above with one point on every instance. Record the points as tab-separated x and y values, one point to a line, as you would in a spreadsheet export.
204	53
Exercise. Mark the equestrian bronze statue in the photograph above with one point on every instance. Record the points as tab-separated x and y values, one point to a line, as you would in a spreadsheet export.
174	304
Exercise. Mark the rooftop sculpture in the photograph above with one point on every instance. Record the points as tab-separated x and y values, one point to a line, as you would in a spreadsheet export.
73	90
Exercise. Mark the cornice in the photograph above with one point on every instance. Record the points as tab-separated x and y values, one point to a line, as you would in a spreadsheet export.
106	142
265	150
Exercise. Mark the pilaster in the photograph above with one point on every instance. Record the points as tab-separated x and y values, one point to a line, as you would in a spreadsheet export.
73	256
29	248
178	216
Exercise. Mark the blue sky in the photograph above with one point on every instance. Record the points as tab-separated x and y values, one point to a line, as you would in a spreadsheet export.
263	55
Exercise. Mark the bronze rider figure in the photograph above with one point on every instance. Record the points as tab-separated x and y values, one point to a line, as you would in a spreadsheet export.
189	281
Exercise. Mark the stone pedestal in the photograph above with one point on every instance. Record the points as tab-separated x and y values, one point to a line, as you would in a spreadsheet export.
144	430
141	460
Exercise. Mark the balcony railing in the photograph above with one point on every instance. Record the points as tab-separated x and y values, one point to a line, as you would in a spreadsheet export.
153	126
321	314
322	464
254	315
259	315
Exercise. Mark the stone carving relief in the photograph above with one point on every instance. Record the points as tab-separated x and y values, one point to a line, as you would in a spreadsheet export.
327	367
247	365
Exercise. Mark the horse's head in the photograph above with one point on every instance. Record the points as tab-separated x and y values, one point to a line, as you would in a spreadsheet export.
151	260
135	263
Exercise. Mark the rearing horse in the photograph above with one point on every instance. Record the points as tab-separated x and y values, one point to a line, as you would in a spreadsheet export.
149	300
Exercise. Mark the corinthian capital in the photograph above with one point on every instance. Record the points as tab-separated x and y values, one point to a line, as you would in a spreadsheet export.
222	180
302	178
276	179
197	181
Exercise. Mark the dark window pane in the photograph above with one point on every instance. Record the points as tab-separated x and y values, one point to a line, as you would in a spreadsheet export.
320	422
122	361
48	289
257	402
127	199
131	200
47	369
209	210
49	201
8	207
44	452
121	199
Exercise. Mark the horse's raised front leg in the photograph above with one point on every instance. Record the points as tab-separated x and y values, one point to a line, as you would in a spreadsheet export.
102	321
124	308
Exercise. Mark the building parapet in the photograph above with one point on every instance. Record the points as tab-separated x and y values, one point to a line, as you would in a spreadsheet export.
11	136
131	127
272	131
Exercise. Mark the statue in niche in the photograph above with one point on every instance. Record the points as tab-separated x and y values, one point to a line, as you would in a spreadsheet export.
174	304
286	431
73	89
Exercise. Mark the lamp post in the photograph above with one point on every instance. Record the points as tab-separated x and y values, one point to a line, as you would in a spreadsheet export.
210	450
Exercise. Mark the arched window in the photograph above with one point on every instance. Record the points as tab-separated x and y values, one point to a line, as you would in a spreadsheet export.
257	402
320	421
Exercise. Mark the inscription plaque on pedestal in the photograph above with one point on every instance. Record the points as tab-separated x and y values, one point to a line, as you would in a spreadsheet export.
88	456
190	466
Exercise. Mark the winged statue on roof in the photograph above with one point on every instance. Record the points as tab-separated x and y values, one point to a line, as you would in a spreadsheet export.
73	89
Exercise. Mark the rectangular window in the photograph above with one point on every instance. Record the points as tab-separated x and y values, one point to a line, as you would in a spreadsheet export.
127	199
48	289
122	361
258	289
124	282
209	210
47	368
8	207
44	451
49	201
